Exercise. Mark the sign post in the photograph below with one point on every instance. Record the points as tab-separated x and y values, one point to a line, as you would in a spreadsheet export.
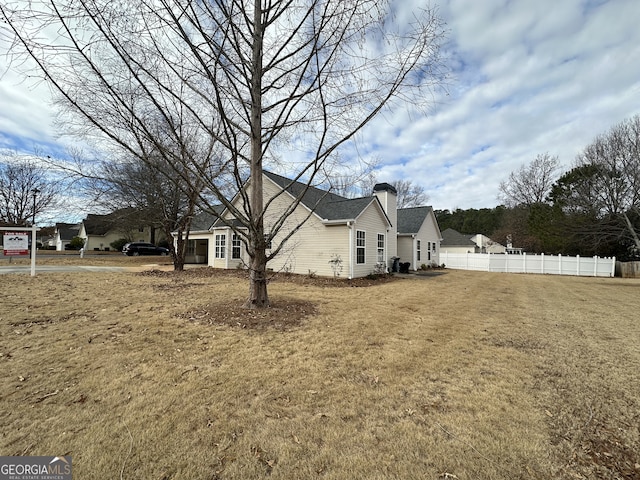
34	248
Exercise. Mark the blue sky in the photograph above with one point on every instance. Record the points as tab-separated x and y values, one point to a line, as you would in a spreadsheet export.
528	77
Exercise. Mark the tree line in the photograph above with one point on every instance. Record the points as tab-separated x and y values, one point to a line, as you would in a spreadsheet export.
593	208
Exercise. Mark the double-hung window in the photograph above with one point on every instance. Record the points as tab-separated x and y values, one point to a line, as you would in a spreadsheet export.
418	250
360	246
221	243
236	244
380	248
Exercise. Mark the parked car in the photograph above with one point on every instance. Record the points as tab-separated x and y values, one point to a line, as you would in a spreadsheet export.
143	248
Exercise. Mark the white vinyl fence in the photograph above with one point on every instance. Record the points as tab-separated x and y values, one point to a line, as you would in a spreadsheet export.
551	264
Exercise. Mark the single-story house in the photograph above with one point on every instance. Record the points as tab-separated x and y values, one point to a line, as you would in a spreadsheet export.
98	231
347	237
486	245
64	233
456	242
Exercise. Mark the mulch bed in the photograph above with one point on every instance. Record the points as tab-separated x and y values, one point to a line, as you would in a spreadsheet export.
282	314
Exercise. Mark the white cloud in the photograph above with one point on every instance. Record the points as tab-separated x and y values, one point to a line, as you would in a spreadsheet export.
529	77
533	77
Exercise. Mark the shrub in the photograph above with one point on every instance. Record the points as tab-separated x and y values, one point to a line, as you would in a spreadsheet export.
76	243
118	244
377	276
336	265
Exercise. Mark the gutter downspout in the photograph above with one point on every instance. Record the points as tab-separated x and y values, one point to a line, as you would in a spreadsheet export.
414	252
350	227
386	252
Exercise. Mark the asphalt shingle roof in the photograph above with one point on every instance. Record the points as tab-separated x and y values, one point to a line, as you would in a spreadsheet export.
204	220
326	205
98	224
68	230
411	219
451	237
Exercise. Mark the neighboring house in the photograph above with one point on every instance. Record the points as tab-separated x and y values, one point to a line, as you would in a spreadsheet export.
339	236
486	245
98	231
456	242
64	232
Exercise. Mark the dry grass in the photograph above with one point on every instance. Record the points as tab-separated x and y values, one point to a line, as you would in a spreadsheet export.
52	257
463	375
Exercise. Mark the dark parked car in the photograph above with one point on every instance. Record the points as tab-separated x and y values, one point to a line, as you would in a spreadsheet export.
143	248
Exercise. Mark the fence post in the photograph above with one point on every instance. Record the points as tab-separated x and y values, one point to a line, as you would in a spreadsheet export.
595	266
524	262
542	263
560	263
613	267
578	265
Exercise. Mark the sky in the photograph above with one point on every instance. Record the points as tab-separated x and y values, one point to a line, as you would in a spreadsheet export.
527	77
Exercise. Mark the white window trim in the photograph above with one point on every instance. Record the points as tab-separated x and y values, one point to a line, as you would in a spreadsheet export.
363	247
236	243
383	248
220	245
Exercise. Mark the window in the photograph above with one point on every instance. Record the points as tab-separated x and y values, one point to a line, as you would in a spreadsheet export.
360	246
221	242
418	249
433	246
267	242
380	248
191	247
235	246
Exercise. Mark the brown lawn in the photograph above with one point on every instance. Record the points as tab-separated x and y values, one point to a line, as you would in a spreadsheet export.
462	375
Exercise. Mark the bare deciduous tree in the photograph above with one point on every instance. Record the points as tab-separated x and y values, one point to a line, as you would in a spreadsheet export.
260	81
608	172
20	178
350	186
530	184
410	194
157	198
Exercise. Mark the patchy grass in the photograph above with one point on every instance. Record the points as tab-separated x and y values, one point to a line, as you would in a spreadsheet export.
464	375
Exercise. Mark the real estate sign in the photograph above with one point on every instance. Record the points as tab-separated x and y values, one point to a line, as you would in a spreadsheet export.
16	243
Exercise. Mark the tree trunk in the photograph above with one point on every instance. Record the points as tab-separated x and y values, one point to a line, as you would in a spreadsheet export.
634	235
178	251
258	297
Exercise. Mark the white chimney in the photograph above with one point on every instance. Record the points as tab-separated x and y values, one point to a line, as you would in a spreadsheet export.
388	196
